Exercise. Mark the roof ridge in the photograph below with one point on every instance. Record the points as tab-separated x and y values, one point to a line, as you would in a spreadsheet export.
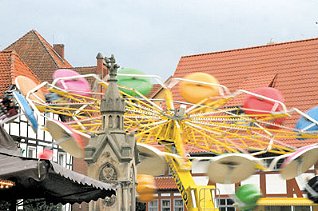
13	57
39	36
51	50
12	44
253	47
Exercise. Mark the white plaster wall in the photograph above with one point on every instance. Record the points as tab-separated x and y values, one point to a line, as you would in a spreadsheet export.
201	180
6	127
199	167
275	184
15	129
254	179
225	189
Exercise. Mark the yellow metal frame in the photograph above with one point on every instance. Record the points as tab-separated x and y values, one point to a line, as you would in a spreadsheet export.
274	202
209	125
212	127
195	198
285	202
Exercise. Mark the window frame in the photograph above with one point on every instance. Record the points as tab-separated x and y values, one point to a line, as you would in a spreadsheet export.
64	155
179	206
162	206
33	150
226	204
152	207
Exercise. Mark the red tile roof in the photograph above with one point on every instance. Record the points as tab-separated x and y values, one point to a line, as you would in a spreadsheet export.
86	70
39	55
165	183
10	67
290	67
154	90
294	64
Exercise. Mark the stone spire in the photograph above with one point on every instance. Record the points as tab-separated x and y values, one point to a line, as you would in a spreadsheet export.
112	105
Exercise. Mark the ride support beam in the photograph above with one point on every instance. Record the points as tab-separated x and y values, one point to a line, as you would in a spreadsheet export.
195	198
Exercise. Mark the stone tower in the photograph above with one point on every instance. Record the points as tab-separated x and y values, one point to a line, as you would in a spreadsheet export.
111	155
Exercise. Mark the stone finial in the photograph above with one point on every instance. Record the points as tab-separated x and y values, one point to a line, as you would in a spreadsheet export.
112	67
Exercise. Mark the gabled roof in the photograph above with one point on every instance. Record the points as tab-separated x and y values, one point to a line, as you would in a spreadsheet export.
293	65
10	67
39	55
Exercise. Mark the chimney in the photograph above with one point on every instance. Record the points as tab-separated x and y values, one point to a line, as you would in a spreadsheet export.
101	70
59	49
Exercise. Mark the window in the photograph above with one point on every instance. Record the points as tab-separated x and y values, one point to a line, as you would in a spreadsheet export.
62	159
178	205
225	204
23	148
31	153
165	205
153	205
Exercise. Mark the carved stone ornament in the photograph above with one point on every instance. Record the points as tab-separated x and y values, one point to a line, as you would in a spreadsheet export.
108	173
110	201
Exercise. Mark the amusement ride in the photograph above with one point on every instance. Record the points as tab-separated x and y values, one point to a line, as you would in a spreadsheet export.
209	120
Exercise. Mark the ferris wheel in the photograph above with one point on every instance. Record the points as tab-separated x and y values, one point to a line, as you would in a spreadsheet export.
209	120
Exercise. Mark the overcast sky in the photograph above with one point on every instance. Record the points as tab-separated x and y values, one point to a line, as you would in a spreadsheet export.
152	35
